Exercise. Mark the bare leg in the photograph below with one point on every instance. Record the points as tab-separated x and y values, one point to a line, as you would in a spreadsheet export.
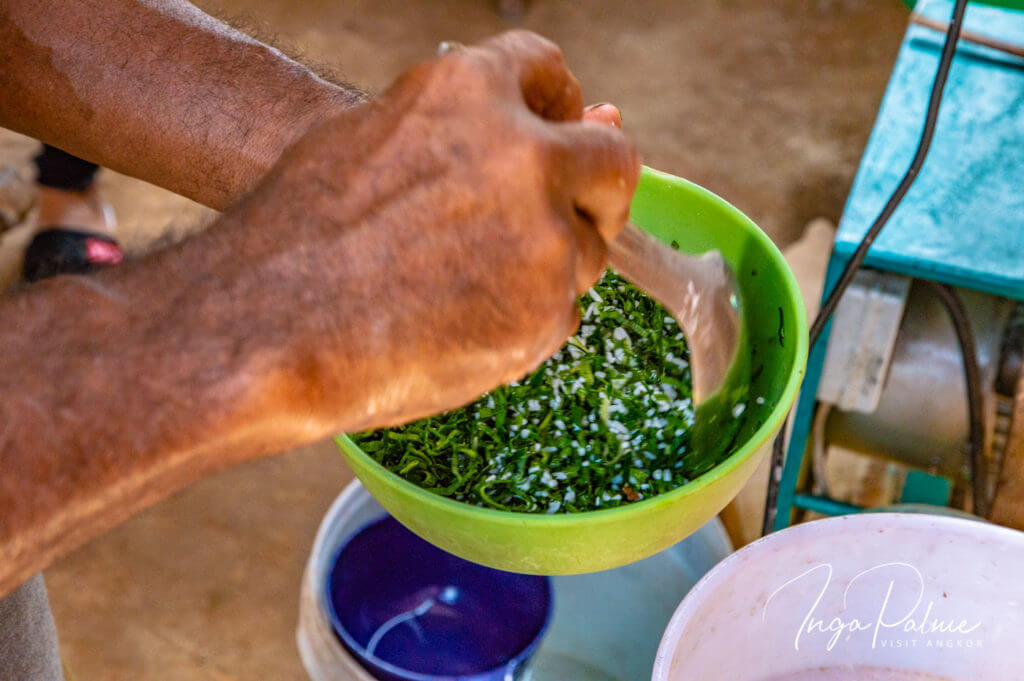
75	226
68	194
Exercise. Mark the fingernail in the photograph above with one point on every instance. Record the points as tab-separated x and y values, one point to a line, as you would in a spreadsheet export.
598	105
447	46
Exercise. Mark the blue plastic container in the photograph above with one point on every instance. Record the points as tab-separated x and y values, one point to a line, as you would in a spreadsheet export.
408	611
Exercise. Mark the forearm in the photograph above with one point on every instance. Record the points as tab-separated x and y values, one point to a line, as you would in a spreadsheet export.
119	389
158	90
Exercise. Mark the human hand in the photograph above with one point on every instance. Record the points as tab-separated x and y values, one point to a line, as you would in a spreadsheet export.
429	245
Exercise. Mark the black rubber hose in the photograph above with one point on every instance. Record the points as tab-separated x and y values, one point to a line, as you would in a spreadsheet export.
850	270
975	412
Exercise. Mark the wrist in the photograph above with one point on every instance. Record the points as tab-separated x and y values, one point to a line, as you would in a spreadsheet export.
311	100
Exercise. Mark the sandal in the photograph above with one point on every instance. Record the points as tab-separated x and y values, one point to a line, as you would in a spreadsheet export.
59	250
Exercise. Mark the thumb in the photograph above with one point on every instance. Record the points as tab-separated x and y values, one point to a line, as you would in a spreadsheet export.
605	113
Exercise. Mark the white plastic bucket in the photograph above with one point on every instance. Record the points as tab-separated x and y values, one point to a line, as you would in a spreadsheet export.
323	655
922	596
606	625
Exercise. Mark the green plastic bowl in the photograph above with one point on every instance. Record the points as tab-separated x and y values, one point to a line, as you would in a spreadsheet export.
671	209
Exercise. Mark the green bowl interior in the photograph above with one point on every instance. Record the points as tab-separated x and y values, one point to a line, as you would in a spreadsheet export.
694	219
674	209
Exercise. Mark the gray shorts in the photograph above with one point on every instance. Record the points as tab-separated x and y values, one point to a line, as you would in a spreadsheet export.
28	638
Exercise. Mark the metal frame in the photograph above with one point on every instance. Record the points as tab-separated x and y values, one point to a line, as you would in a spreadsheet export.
987	254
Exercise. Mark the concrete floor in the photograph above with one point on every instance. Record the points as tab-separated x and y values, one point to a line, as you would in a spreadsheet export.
767	103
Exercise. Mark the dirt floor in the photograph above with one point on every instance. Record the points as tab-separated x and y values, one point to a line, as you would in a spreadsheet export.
767	103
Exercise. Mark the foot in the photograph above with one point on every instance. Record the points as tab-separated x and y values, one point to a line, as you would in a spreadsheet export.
85	211
74	234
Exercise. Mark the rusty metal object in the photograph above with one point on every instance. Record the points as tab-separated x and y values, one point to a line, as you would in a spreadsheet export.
1008	507
969	36
921	419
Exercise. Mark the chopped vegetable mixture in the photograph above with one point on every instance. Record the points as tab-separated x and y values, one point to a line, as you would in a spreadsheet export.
605	422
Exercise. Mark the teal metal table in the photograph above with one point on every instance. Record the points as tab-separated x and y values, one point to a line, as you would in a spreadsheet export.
962	222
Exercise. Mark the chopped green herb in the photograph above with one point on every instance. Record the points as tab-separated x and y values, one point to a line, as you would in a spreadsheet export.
605	422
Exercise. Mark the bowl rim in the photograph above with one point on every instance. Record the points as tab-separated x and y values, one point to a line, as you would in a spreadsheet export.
770	425
358	651
865	522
